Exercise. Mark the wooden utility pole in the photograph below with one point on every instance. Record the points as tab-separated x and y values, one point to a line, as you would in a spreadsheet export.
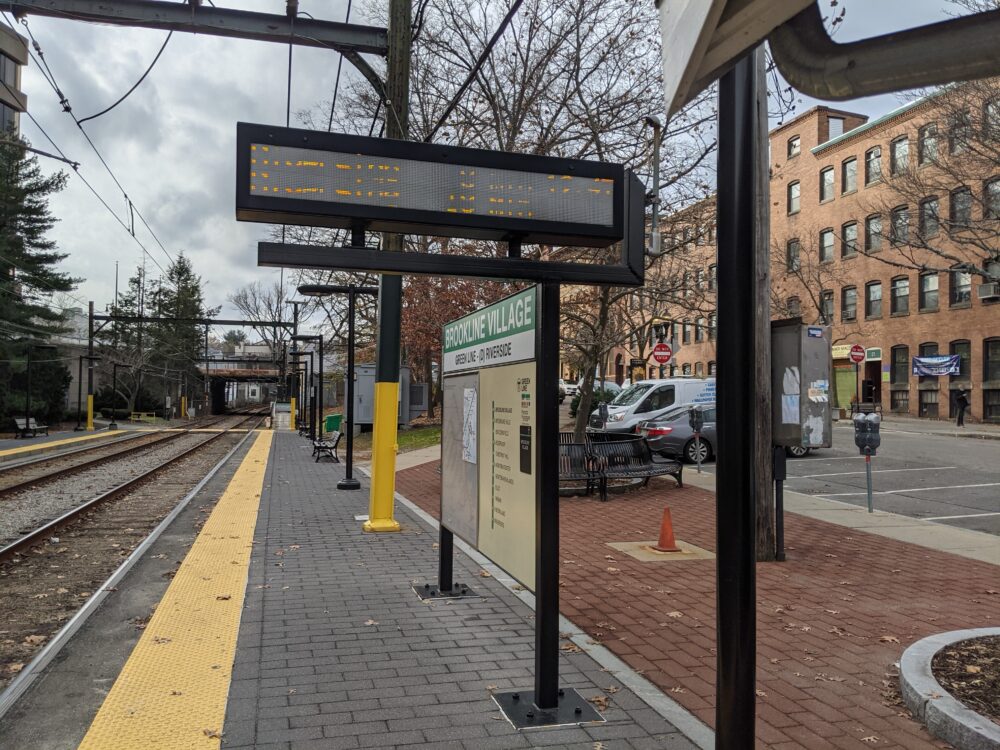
763	450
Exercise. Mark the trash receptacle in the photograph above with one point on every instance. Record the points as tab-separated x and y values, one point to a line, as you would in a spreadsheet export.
333	422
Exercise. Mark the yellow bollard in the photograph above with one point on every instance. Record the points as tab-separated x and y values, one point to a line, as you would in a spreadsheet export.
291	415
381	501
90	413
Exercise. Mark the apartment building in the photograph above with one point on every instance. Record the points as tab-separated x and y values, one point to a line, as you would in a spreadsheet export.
888	230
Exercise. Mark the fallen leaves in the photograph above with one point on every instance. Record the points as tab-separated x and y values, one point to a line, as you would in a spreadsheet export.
370	622
485	574
35	640
888	639
600	701
223	597
570	648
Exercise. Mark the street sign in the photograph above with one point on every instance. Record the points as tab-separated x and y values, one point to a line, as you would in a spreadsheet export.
662	353
857	354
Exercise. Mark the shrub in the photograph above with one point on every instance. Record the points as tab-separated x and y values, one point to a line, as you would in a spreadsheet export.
601	395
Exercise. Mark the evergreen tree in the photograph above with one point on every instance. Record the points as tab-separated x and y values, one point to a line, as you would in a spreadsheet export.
28	279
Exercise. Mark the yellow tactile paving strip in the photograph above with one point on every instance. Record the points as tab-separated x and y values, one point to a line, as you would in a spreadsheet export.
172	691
55	443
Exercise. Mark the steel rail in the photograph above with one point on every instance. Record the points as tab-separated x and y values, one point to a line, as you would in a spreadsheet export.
39	534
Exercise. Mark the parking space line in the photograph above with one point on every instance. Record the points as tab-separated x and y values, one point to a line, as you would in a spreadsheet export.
967	515
874	471
915	489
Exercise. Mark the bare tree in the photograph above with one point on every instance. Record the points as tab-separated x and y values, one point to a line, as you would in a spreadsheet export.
264	302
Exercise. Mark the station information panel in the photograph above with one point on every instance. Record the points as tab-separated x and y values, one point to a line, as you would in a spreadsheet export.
340	180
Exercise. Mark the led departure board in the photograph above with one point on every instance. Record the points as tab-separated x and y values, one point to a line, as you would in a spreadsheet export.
329	179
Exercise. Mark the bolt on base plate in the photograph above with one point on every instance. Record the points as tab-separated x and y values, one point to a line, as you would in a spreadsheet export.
520	709
458	591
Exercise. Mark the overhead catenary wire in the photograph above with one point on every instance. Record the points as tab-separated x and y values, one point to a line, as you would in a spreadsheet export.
134	86
483	56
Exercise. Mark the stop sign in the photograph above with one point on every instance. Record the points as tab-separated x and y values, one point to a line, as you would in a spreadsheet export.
857	354
662	353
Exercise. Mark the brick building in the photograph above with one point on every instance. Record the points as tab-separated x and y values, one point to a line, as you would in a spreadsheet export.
890	231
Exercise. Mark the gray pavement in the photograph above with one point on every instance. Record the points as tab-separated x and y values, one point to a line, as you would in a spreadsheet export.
335	650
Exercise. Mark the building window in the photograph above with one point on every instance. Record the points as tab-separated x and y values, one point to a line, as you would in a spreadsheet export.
835	127
929	217
713	325
826	185
699	278
991	119
826	245
873	165
929	349
899	229
991	359
873	233
991	405
793	197
8	117
8	71
849	175
826	306
928	291
959	130
699	369
794	146
929	403
963	348
927	149
899	156
687	333
900	302
699	330
711	369
961	208
900	365
900	401
849	239
961	288
673	371
713	277
991	199
794	307
849	303
793	259
873	299
686	369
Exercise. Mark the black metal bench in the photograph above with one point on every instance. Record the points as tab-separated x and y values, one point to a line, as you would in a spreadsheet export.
577	465
631	459
327	448
24	426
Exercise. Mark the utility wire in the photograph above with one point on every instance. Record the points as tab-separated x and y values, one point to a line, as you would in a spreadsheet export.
336	84
134	86
475	69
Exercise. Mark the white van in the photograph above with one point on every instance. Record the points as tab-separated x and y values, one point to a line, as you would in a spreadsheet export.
648	399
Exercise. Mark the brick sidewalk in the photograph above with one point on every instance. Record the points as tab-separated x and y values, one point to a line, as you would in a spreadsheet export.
336	651
832	621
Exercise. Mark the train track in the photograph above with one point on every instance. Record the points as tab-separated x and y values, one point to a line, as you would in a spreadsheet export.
50	528
29	474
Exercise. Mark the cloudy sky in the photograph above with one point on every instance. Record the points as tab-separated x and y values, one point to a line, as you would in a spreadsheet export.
171	143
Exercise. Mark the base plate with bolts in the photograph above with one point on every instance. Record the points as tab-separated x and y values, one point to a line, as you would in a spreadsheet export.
520	709
458	591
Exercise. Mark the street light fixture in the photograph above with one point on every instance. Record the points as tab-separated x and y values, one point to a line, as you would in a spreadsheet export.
351	290
79	391
27	393
654	123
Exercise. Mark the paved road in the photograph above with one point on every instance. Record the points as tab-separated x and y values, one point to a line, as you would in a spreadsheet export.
935	477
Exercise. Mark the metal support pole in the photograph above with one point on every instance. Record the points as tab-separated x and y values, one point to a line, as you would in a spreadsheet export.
27	397
737	416
79	397
114	393
446	548
349	482
868	474
319	396
547	502
780	472
90	366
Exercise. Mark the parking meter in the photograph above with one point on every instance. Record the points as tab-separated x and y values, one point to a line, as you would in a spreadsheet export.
602	412
696	419
866	433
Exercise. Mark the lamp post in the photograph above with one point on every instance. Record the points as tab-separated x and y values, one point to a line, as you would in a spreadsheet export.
301	385
654	234
27	390
79	390
114	393
352	291
319	396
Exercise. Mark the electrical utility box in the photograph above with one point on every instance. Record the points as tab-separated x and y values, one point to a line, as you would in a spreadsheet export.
801	373
413	397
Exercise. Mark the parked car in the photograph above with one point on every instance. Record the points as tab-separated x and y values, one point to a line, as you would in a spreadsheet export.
562	390
670	434
650	399
571	388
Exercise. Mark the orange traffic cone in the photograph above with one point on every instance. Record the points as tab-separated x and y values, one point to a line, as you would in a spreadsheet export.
667	542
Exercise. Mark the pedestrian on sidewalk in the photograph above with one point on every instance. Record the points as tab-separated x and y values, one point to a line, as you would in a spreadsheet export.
962	402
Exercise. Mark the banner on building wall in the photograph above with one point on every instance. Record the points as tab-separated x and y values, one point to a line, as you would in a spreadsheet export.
945	364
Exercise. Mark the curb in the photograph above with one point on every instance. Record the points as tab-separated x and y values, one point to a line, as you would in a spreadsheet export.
943	715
